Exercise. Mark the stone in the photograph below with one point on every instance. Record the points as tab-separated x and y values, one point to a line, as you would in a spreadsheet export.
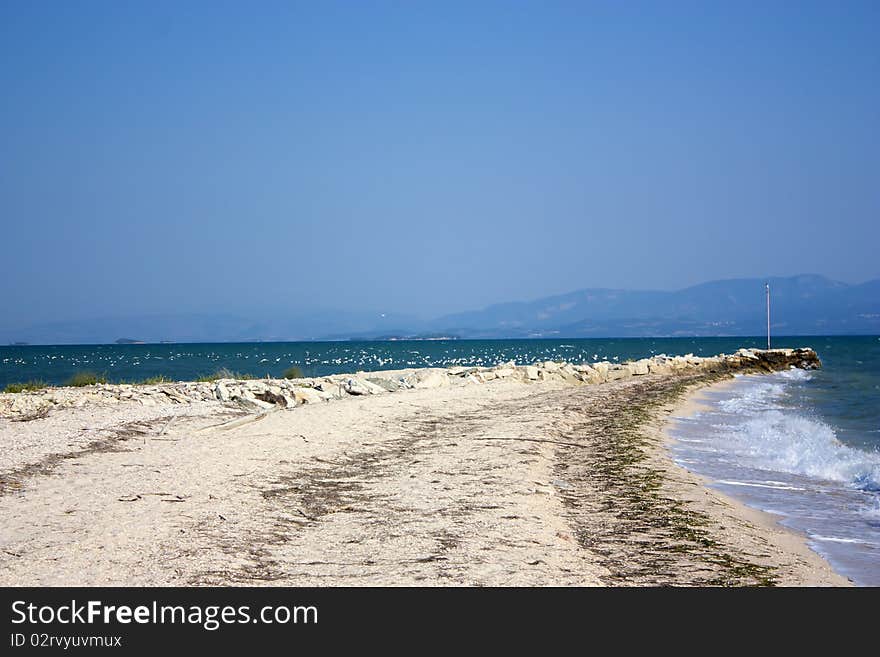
569	375
617	372
531	372
602	369
361	387
327	385
428	378
659	366
639	367
271	398
390	385
307	396
592	376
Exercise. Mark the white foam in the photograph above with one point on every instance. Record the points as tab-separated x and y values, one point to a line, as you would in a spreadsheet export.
754	426
757	396
795	374
753	484
786	442
838	539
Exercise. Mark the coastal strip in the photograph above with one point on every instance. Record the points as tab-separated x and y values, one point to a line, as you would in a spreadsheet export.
542	474
265	394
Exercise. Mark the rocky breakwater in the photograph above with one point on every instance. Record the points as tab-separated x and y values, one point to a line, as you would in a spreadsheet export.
273	394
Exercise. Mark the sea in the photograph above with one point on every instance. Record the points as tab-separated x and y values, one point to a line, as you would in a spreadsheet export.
802	445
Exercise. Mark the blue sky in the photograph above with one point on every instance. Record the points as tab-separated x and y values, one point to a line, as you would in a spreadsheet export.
427	157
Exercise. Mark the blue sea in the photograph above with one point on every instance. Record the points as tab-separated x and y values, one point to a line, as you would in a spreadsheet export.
803	445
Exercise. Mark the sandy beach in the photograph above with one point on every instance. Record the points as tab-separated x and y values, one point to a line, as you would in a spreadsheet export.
515	481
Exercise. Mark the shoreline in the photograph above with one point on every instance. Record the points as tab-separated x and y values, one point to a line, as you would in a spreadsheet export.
811	568
536	477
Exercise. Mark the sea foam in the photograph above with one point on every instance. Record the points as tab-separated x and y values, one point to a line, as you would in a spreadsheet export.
774	438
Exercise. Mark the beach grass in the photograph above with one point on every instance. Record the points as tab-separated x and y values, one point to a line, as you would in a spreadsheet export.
86	378
224	373
293	372
27	386
153	380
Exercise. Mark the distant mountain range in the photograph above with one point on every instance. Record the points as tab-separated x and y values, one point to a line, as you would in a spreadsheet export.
805	305
801	305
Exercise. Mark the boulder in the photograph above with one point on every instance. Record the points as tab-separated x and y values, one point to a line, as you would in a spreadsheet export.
390	384
639	367
428	378
569	375
617	372
272	398
307	396
659	365
592	376
361	387
602	369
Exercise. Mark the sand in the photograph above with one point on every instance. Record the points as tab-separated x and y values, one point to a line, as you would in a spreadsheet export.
501	484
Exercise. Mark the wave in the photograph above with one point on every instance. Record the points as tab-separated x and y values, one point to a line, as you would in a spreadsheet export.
757	397
838	539
755	484
784	441
794	374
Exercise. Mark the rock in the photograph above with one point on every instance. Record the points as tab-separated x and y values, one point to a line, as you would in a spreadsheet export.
550	366
259	403
592	376
221	392
360	387
531	372
390	385
307	396
327	385
171	393
355	387
29	405
428	378
568	375
659	365
639	367
617	372
272	398
602	369
679	363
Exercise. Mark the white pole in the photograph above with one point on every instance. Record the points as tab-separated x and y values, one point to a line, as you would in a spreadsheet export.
768	315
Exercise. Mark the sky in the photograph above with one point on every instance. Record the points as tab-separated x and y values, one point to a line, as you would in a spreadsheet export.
427	157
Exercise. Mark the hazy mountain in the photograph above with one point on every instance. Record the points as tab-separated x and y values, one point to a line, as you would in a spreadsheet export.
801	305
807	304
210	328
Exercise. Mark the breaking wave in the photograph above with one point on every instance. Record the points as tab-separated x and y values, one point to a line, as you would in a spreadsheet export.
773	437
